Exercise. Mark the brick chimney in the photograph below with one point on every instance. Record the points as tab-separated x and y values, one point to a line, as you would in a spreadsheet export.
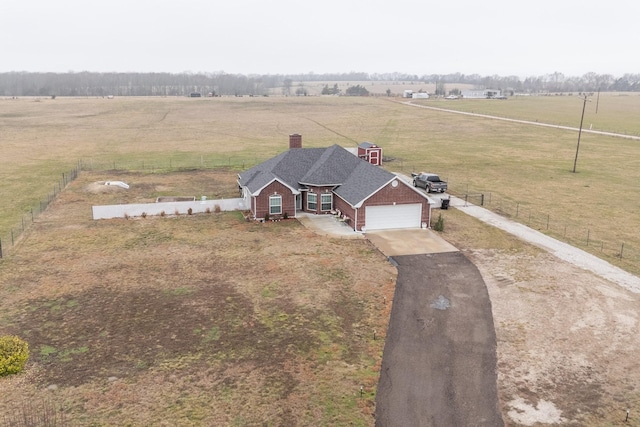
295	141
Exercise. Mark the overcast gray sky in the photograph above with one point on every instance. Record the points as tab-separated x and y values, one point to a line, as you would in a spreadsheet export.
504	37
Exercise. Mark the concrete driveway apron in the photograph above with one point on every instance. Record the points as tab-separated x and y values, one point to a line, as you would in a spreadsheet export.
409	242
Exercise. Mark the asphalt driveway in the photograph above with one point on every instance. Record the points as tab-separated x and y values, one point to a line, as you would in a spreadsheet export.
439	362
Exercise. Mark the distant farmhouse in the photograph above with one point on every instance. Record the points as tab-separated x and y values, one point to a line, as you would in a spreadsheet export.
415	95
482	94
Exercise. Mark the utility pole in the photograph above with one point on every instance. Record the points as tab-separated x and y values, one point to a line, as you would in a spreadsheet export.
575	162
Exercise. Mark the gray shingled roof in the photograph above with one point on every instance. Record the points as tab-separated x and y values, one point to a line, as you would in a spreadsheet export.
354	178
366	144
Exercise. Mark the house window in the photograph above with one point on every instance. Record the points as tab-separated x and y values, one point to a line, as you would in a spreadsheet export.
312	201
275	205
326	202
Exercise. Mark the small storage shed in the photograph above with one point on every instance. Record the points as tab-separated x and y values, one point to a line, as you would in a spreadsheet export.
370	152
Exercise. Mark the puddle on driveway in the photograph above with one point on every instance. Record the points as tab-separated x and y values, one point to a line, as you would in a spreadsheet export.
441	303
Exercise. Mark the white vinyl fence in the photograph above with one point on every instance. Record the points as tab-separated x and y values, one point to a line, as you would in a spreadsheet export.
168	208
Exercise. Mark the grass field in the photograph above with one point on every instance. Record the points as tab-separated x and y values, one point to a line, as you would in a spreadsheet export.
523	170
168	321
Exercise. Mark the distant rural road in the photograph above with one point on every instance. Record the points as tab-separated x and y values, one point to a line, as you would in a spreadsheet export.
527	122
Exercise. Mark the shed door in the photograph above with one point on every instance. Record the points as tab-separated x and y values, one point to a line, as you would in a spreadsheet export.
393	216
374	157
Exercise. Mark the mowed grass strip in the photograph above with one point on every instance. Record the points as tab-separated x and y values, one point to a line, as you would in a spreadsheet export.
524	171
195	319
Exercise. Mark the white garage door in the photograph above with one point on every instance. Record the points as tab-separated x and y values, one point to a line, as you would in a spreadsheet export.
393	216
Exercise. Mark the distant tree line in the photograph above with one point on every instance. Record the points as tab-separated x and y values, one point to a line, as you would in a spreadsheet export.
220	83
133	84
326	90
357	90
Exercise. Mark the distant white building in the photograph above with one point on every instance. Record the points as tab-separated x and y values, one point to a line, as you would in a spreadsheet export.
415	95
482	93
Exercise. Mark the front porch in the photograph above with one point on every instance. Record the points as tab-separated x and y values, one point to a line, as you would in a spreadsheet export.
328	225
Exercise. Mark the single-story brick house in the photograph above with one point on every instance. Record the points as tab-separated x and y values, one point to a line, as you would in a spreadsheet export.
332	181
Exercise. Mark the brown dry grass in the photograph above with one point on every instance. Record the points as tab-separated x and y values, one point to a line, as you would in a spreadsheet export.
192	320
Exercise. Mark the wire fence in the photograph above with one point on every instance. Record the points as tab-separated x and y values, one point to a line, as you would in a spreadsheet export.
619	253
9	240
172	164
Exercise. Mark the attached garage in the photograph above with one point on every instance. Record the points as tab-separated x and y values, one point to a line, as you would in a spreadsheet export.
393	216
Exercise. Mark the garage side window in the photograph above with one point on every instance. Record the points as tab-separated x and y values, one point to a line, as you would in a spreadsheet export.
275	205
312	201
326	202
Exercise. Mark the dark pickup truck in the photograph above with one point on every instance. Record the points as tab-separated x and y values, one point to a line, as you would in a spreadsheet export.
429	181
